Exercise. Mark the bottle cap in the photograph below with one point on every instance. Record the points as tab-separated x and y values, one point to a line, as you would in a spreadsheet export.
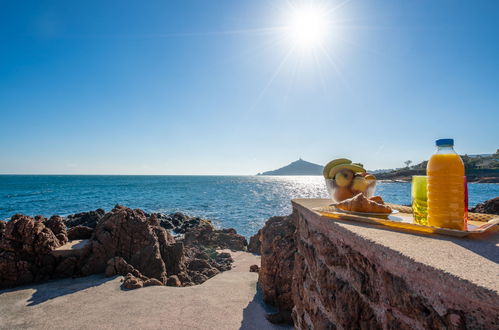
444	142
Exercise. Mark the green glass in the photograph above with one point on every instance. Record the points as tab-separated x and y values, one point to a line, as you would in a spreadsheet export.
420	199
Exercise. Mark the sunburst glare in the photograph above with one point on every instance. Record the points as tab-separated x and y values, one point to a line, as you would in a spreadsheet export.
308	26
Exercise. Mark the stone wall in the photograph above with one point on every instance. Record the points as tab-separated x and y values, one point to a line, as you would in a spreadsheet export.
344	278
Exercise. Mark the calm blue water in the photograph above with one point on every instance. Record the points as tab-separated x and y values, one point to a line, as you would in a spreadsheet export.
241	202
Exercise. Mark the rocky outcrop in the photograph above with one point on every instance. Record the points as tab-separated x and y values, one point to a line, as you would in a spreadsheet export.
255	244
124	242
134	237
278	249
58	227
206	235
3	224
88	219
179	222
80	232
491	207
25	248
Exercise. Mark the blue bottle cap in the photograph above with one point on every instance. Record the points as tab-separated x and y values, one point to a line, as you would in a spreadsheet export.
444	142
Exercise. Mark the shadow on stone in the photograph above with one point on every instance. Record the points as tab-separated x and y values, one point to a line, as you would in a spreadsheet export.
53	289
254	315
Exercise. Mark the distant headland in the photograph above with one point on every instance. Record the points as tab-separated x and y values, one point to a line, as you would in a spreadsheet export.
299	167
483	168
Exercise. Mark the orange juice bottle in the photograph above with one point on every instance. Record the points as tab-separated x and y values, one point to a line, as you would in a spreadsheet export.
446	195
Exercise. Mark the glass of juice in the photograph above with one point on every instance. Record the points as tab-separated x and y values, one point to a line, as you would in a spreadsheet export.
420	199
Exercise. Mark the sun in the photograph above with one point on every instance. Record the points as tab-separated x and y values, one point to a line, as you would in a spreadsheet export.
308	26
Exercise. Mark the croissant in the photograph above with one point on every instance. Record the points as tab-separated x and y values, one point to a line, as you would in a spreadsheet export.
360	203
377	199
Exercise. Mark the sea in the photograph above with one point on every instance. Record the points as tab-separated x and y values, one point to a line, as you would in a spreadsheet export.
240	202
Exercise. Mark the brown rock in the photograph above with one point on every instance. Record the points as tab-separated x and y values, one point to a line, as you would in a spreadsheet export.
173	281
118	266
25	248
206	235
88	219
254	269
129	234
3	224
67	267
58	227
278	253
254	245
152	282
131	282
199	265
80	232
491	207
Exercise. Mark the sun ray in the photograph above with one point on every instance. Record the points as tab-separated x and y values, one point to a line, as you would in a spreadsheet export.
272	78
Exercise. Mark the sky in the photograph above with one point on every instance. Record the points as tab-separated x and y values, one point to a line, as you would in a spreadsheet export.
228	87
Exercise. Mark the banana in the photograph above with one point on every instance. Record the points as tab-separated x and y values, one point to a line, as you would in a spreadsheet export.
332	164
337	168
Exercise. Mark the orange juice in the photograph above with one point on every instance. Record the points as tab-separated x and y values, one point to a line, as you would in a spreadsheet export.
446	187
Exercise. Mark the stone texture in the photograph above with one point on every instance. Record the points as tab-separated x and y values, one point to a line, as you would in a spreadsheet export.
356	276
207	235
25	248
278	255
88	219
124	242
80	232
254	245
491	207
254	269
129	234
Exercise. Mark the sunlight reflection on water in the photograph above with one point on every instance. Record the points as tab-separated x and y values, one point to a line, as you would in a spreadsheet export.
242	202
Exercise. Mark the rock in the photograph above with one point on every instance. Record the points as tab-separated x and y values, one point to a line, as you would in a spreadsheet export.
118	266
122	242
199	278
491	207
3	224
178	222
88	219
254	269
129	234
80	232
131	282
152	282
207	235
25	248
198	265
254	245
173	281
278	250
67	267
58	227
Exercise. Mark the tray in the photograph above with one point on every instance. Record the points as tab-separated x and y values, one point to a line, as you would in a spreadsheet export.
477	223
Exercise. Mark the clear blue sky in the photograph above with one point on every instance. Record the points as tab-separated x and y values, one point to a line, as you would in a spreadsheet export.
211	87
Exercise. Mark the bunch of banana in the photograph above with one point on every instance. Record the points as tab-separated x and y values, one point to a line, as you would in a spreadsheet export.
348	179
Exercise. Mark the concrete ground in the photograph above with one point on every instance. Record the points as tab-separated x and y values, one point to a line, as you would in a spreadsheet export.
229	300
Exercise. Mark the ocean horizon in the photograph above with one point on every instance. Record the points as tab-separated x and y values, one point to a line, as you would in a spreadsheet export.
240	202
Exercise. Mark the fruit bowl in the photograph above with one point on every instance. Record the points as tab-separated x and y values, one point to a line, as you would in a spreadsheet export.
340	193
345	180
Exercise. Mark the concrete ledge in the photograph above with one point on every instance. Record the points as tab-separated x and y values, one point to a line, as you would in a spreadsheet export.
71	248
393	278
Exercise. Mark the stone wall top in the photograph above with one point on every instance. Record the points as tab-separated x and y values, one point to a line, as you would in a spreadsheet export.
463	266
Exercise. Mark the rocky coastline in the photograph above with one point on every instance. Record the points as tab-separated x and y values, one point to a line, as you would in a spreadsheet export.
140	246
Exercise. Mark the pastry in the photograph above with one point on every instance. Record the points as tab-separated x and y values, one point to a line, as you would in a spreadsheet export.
359	203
